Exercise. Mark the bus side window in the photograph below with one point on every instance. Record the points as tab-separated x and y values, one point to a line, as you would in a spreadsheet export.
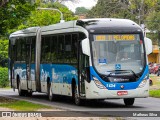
47	49
61	49
67	52
33	50
74	51
54	49
43	50
18	50
13	52
23	49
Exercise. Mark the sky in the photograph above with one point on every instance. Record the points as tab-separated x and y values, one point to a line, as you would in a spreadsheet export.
82	3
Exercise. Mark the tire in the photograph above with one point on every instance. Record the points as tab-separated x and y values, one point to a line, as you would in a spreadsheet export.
76	97
20	91
129	101
29	93
50	94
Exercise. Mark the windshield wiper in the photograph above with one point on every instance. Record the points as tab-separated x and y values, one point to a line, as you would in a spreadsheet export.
134	73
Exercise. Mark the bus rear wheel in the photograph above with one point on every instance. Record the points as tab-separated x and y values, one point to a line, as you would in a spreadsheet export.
29	93
129	101
20	91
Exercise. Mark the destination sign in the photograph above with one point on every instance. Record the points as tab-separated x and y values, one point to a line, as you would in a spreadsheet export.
117	37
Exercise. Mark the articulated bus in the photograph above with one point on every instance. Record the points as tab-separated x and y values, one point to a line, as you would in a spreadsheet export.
81	59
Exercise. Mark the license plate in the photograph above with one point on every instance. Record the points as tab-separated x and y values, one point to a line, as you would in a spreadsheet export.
119	93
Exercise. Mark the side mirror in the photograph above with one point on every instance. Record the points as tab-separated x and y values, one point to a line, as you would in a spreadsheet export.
148	45
85	47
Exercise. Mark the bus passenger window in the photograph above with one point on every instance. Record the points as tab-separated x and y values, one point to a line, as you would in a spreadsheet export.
43	50
33	49
74	48
60	48
18	44
23	49
67	54
54	49
47	49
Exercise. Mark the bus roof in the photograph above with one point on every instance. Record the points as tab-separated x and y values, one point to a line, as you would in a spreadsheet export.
109	25
97	25
32	31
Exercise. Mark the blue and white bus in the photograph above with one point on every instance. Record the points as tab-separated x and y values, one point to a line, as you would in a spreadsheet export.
81	59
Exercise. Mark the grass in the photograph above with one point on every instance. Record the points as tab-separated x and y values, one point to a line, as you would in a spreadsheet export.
155	88
21	105
156	82
154	93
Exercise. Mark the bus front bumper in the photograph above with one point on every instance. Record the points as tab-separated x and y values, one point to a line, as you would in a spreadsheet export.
93	92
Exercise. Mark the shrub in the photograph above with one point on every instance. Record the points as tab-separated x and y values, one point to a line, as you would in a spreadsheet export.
4	81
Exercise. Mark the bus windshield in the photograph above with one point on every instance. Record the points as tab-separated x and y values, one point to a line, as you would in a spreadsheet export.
118	52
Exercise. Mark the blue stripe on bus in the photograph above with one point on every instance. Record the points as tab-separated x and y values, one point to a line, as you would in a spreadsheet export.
20	69
127	86
58	73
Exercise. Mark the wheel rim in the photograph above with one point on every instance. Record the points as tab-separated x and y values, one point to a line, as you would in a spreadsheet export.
76	97
50	93
19	88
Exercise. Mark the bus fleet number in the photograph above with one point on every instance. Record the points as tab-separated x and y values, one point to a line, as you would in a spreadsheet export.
111	85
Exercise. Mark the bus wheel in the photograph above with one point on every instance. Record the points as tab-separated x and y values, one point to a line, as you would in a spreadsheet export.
129	101
50	94
77	99
29	93
20	91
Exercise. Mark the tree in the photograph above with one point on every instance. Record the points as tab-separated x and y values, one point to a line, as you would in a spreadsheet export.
13	13
112	8
81	10
142	8
3	53
153	25
136	10
46	17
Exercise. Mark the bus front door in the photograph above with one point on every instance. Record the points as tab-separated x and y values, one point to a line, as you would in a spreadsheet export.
83	72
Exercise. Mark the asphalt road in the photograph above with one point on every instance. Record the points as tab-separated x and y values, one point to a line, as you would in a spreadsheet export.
142	106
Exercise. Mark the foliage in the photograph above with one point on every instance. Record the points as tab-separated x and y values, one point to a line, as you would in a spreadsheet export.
105	9
81	10
154	93
136	10
13	14
141	11
46	17
3	52
152	22
4	81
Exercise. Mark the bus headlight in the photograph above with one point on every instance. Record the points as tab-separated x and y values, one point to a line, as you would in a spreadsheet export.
142	84
98	83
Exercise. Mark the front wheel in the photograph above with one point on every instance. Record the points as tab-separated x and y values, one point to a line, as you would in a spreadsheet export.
129	101
77	99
